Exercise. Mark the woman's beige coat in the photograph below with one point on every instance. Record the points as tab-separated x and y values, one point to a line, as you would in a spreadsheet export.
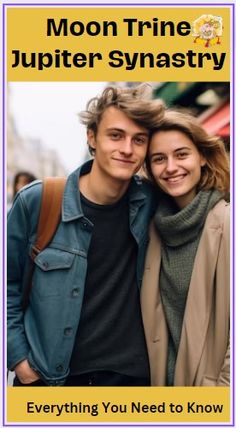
203	356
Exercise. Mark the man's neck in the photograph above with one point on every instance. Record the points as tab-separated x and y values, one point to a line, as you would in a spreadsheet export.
102	190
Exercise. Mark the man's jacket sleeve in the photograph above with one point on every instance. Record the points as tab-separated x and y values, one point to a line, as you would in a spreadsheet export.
18	227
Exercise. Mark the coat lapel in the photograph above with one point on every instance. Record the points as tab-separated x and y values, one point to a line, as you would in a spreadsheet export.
199	302
152	312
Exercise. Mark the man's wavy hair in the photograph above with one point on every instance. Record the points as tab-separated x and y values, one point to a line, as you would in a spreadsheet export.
215	174
136	103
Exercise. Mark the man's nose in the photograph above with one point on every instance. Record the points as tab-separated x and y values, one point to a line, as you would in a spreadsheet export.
126	146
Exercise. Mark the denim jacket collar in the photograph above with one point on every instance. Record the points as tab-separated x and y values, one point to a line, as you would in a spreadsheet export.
71	207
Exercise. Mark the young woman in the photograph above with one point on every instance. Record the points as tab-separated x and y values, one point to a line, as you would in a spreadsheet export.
185	292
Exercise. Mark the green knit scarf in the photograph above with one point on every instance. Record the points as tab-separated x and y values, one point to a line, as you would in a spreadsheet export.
180	232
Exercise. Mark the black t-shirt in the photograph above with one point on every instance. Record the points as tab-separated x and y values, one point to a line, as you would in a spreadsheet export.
110	335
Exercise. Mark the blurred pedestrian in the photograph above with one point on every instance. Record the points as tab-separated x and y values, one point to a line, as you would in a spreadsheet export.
21	179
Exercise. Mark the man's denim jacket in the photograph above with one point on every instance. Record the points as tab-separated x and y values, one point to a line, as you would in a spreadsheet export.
45	333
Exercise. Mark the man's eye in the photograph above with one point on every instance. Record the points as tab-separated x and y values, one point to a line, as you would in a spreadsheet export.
141	140
115	136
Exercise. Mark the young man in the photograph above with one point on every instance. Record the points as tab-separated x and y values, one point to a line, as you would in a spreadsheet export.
83	324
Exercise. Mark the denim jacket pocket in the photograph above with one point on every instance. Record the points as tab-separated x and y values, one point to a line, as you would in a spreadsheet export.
52	272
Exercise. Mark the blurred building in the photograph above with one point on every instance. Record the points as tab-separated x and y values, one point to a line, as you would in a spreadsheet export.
28	154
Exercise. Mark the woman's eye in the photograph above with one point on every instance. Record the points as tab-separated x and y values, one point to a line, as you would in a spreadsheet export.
158	159
182	155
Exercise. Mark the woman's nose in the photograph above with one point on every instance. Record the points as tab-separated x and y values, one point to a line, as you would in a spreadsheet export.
171	165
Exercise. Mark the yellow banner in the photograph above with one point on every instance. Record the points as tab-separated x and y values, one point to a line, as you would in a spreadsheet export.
110	404
118	43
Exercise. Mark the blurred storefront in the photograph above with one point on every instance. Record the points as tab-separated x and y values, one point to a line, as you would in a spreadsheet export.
208	101
216	121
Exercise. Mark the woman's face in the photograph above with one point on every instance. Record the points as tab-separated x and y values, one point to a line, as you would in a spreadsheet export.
176	165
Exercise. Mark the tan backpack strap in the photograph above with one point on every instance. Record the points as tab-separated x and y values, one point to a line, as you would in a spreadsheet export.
49	218
50	212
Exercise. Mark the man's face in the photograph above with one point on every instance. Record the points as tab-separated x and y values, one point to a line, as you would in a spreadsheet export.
120	145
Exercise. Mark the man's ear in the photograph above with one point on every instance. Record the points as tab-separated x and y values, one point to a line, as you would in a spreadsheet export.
91	139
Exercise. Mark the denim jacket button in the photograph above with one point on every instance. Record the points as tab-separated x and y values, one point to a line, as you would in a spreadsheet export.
75	292
67	331
45	265
59	368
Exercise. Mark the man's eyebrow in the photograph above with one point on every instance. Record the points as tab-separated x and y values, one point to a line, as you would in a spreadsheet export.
142	133
113	128
123	130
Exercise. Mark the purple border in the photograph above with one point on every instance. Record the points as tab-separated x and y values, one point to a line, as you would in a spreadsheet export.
107	424
4	208
233	210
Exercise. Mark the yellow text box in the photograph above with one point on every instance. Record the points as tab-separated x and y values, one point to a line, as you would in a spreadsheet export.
110	404
132	44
